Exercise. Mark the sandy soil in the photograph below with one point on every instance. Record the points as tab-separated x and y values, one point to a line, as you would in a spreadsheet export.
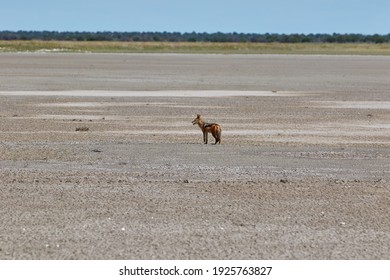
303	171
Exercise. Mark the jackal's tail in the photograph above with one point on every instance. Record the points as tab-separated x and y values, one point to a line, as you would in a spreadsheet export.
219	133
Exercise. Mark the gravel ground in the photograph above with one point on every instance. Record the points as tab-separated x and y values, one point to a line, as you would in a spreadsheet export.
99	159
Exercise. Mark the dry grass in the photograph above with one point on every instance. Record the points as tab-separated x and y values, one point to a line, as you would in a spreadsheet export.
82	128
197	47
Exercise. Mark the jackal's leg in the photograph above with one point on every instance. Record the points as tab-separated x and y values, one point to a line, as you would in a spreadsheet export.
217	140
205	137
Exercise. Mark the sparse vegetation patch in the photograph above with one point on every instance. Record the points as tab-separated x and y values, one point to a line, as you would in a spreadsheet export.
195	47
82	128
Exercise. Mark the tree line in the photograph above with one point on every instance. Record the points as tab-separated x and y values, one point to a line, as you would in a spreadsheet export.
193	37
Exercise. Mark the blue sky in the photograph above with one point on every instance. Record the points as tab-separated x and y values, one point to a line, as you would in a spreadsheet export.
248	16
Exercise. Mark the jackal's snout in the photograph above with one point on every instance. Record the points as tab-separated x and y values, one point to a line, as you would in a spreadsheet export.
196	120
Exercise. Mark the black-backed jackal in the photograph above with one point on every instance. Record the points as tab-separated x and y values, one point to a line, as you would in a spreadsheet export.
213	128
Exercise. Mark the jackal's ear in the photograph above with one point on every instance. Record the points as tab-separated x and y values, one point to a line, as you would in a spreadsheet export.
198	116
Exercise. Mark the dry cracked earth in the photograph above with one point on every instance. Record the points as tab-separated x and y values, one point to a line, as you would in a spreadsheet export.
99	159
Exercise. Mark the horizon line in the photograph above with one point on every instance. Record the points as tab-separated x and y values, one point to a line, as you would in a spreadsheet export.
203	32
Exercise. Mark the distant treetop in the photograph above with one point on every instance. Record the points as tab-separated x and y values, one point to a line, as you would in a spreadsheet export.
193	37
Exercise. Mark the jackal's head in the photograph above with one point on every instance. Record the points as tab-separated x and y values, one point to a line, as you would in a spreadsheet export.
197	119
